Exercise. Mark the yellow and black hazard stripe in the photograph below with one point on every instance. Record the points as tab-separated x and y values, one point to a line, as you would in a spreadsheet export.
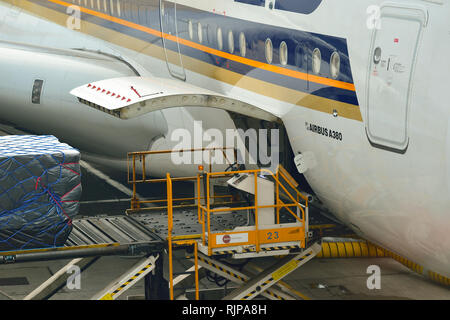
130	280
279	248
254	250
258	289
226	252
212	264
273	294
304	256
261	289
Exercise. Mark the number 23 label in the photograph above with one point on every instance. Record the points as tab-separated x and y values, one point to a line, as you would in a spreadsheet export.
272	235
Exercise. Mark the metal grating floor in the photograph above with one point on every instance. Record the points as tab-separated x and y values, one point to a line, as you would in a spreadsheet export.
185	221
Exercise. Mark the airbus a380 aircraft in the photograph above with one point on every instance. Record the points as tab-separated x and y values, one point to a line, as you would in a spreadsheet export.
360	87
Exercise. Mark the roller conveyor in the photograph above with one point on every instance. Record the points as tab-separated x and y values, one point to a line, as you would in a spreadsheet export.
96	236
115	229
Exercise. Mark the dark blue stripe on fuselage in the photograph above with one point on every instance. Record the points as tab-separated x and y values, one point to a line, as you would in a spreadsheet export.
146	13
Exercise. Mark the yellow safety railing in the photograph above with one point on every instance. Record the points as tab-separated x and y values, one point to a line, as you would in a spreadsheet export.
178	242
256	237
143	158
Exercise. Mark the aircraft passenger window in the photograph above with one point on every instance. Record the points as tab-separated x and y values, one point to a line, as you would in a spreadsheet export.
283	53
269	50
377	55
335	65
316	60
230	41
242	44
200	32
190	30
219	39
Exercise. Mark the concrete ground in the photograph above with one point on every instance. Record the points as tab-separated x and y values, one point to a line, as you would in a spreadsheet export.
347	279
323	279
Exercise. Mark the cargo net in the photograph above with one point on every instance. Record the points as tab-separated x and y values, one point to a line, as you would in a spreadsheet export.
40	188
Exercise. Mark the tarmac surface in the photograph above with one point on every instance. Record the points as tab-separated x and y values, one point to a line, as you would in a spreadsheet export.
332	279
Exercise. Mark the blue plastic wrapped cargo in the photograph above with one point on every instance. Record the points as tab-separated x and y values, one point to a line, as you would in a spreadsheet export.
40	189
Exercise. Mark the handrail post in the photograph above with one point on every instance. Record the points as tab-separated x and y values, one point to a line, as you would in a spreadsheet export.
200	212
134	199
208	210
306	219
169	233
128	168
197	295
210	162
278	197
203	227
199	198
256	210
